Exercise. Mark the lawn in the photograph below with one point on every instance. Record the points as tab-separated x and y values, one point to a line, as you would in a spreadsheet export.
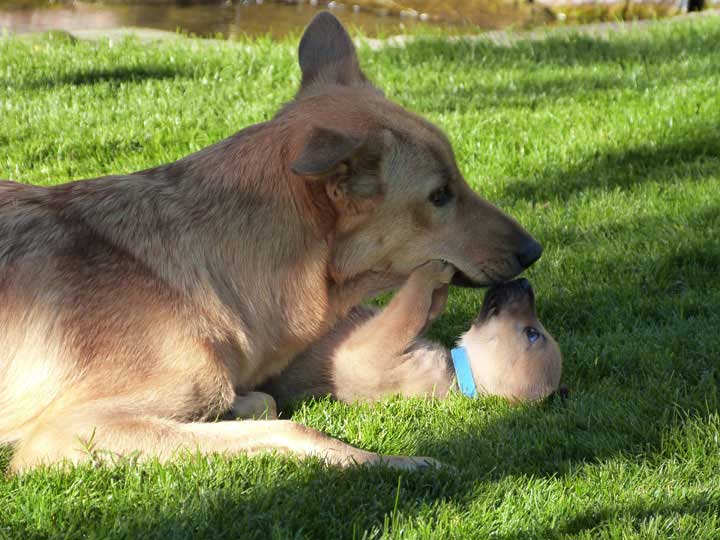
608	150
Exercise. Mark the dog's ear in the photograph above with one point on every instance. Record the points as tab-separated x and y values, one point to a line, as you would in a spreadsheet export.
349	165
324	153
327	54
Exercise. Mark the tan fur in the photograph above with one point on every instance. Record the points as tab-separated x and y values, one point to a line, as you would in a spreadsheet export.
373	354
504	360
133	308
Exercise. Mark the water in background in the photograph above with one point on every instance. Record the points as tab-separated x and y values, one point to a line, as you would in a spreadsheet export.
231	18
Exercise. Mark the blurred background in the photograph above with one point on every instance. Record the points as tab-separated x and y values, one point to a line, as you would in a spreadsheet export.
377	18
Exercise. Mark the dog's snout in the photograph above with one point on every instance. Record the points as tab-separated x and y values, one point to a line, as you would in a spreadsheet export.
529	253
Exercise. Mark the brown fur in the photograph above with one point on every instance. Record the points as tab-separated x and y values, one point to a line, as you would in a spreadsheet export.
373	354
133	308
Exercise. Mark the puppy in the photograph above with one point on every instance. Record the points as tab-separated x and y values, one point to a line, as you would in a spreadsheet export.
374	353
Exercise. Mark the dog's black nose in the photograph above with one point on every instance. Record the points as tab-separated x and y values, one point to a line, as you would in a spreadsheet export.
529	253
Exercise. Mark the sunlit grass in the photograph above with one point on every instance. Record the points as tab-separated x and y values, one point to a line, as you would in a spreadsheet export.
607	150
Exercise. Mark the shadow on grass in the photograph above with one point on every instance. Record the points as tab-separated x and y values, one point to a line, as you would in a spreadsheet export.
616	417
529	91
266	497
682	55
271	498
637	514
242	501
674	232
667	274
114	75
565	50
693	152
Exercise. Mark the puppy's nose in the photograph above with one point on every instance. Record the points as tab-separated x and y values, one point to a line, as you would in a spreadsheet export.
524	284
529	253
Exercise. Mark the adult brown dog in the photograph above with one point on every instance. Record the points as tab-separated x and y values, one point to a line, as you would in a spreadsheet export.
133	308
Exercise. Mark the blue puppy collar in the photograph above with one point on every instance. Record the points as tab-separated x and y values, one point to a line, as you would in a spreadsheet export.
463	372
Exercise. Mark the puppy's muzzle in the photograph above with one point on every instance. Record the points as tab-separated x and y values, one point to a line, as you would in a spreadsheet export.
498	297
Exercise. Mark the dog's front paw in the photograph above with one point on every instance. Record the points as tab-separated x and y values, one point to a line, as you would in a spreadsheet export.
254	405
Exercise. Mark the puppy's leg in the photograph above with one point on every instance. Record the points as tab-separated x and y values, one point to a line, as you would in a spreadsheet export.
367	285
389	333
437	306
77	436
255	405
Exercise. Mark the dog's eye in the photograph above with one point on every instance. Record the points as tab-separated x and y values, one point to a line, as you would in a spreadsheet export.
532	334
441	196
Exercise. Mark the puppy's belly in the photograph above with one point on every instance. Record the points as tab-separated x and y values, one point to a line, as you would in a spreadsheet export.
423	370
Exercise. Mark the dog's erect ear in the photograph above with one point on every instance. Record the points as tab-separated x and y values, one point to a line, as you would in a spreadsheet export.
327	54
325	151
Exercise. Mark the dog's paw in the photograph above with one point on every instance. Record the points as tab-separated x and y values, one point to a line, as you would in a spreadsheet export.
254	405
410	463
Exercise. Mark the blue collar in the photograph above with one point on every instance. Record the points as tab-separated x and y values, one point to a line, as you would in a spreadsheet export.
463	372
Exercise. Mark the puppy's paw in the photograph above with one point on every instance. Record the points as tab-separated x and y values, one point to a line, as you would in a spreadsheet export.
436	273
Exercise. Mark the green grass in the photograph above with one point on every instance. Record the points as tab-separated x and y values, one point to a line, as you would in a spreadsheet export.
607	150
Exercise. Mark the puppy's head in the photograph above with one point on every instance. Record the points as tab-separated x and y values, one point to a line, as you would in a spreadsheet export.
390	177
511	354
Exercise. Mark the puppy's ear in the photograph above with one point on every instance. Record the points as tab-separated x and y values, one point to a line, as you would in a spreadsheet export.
327	54
324	153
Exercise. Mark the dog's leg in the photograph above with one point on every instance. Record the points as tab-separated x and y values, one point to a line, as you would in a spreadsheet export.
255	405
388	334
78	437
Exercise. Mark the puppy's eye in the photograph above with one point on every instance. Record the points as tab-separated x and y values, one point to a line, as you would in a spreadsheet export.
441	196
532	334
